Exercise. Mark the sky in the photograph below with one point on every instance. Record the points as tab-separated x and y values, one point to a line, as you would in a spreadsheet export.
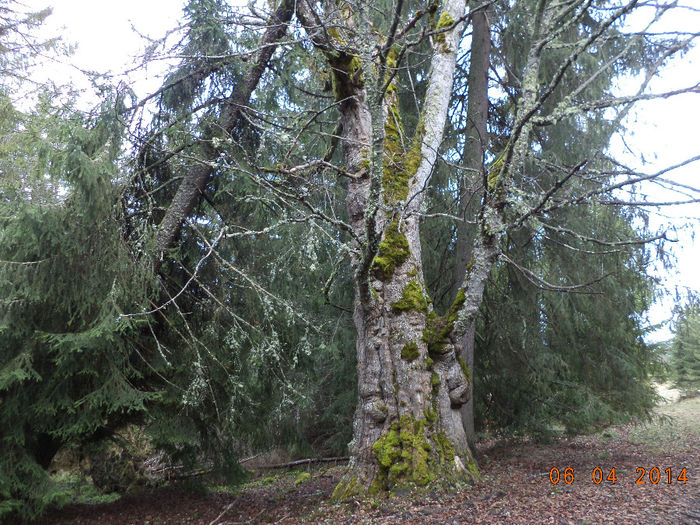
663	132
108	36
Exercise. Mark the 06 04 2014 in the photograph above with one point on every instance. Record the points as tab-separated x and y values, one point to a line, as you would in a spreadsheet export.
598	475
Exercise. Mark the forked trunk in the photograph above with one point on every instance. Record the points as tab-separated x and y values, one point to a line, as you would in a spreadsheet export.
408	427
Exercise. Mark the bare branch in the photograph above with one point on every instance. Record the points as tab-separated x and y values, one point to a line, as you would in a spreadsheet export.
601	242
608	189
544	285
550	193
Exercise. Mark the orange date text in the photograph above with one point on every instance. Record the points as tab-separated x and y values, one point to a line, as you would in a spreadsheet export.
598	475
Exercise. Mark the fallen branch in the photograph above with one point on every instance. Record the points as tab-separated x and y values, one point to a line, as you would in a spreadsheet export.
307	461
155	473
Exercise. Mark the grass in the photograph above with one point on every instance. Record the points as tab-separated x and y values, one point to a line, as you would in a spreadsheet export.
668	431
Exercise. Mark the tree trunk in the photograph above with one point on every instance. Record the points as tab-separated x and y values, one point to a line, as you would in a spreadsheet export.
407	427
471	192
194	183
43	447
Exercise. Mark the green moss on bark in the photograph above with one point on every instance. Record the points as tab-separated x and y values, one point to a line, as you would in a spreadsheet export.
444	447
464	367
412	298
346	489
438	328
391	58
435	382
473	470
404	455
412	454
444	22
392	253
346	76
410	352
400	162
395	178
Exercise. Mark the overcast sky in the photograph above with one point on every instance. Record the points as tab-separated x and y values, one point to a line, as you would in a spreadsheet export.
663	132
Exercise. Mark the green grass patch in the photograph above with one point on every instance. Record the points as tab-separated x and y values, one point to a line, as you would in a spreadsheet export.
674	426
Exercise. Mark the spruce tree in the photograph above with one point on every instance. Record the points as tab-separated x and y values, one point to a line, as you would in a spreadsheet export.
585	244
70	370
685	349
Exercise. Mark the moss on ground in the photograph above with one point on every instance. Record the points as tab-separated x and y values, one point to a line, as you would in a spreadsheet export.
302	477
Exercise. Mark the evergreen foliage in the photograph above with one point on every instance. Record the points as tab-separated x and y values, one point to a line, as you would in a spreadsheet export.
69	371
274	365
685	349
579	353
243	340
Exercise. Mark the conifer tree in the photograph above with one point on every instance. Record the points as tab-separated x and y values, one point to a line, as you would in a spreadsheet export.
519	305
69	368
297	150
685	349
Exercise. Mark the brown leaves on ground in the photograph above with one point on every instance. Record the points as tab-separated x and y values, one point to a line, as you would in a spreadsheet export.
516	488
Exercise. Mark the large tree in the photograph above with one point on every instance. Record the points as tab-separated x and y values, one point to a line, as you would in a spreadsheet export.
411	378
407	427
238	180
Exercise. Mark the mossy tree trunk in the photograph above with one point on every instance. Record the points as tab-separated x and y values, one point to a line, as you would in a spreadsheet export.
408	427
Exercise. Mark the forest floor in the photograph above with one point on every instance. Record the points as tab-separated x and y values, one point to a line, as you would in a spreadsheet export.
516	487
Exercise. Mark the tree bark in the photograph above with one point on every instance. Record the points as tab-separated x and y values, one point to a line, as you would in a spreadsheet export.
195	181
407	426
471	192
